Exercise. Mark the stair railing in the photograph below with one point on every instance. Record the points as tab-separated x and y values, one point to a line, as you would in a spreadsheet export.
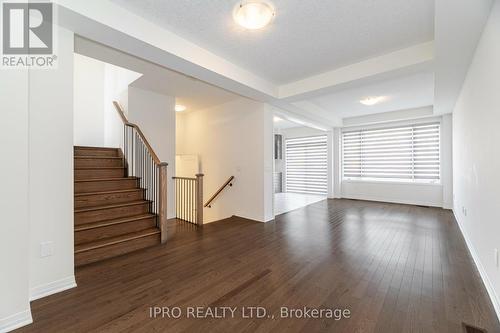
189	199
229	182
141	161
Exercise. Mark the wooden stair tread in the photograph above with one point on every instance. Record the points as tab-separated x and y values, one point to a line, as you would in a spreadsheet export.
98	168
98	157
108	192
104	179
124	204
95	148
106	223
115	240
112	215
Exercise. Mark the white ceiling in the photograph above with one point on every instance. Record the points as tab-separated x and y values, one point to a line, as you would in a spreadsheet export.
306	37
342	49
402	93
191	92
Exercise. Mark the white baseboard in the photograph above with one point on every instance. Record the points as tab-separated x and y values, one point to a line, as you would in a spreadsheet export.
17	320
52	288
390	200
482	272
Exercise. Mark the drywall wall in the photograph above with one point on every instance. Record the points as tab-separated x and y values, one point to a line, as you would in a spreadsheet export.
476	157
116	84
51	172
232	139
301	131
14	225
413	194
154	113
96	85
447	160
187	165
88	109
402	192
267	159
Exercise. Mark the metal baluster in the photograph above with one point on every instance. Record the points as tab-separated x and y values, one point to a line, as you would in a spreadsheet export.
191	201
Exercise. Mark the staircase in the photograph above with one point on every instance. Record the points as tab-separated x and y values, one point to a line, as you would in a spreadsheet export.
112	215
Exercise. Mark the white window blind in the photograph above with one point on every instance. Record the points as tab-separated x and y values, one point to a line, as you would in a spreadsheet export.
306	165
405	153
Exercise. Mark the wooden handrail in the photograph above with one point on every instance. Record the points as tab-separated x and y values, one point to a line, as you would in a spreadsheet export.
188	178
128	123
159	204
228	182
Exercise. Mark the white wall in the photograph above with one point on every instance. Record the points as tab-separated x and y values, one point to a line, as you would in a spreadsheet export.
402	192
267	158
14	225
39	184
88	92
232	139
476	156
51	172
116	84
301	131
413	194
447	160
155	114
96	85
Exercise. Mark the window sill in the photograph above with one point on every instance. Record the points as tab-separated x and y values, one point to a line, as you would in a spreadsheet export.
388	182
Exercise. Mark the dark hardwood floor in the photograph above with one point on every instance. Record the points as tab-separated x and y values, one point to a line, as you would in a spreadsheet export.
396	268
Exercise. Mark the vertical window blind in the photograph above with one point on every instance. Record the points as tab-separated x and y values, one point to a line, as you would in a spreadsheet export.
404	153
306	165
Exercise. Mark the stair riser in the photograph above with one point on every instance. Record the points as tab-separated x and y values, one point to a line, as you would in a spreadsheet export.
90	235
99	173
106	252
96	152
108	185
107	199
98	162
110	213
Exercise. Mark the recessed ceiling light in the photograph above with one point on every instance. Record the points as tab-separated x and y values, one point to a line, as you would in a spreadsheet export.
373	100
276	119
253	15
180	108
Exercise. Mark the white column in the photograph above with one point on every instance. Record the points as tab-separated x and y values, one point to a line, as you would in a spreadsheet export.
337	166
331	163
446	161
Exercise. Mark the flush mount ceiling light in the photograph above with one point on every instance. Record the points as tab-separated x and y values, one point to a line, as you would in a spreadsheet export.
276	119
373	100
253	15
180	108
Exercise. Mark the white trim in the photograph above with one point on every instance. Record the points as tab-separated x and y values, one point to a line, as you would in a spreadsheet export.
52	287
17	320
393	123
482	272
390	200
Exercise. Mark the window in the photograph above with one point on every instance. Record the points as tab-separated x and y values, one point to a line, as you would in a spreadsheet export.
404	153
306	165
